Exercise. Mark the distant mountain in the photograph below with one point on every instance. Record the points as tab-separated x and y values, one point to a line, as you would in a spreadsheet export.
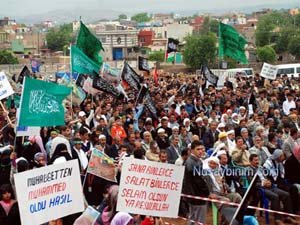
92	15
66	16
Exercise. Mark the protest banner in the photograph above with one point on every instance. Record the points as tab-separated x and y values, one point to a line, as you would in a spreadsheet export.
5	87
49	193
269	71
101	165
27	131
150	188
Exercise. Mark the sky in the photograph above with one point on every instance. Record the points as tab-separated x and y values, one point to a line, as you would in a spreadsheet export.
26	7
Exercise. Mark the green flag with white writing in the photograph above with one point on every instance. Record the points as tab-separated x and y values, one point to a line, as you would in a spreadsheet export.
41	103
81	63
89	44
231	44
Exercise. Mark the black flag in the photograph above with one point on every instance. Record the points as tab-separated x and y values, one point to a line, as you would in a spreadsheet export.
25	72
172	45
150	104
80	80
142	93
209	76
143	64
131	77
103	85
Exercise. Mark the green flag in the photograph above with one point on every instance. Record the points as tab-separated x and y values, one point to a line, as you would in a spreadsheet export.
81	63
231	44
89	44
171	57
41	103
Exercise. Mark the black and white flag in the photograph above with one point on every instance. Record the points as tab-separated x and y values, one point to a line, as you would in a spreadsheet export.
103	85
209	76
131	77
143	64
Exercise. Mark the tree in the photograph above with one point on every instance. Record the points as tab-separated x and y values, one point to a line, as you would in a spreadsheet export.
122	17
7	57
294	47
199	50
283	39
266	54
141	17
209	25
158	56
57	38
269	27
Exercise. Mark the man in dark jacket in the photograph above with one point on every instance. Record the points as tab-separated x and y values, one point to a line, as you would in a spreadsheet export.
194	184
292	165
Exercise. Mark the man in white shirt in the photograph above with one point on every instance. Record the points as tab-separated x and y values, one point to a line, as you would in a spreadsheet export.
288	104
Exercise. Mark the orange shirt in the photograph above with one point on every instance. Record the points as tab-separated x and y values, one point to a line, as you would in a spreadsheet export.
118	131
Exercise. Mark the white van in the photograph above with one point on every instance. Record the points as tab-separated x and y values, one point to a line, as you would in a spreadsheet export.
288	69
231	74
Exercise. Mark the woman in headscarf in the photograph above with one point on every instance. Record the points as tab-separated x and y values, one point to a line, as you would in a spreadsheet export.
61	154
40	160
111	209
31	149
122	218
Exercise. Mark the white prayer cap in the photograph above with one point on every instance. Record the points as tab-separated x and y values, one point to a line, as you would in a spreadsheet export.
175	128
230	132
102	136
161	130
221	125
81	114
186	120
214	159
222	152
199	119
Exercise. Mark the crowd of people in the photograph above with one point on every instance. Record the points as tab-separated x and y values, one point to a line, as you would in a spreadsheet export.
250	125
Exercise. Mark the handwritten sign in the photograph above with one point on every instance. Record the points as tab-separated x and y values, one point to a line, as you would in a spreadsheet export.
49	193
269	71
5	87
150	188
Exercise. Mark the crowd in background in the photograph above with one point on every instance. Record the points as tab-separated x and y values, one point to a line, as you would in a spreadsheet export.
250	124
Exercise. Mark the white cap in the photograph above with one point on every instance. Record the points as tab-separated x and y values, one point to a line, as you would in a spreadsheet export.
199	119
230	132
221	125
234	114
148	119
175	128
214	159
186	120
102	136
165	118
81	114
222	152
242	107
161	130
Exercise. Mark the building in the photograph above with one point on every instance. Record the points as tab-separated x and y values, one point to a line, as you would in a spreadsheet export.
248	30
178	31
145	38
4	40
163	19
119	42
197	23
6	22
261	13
